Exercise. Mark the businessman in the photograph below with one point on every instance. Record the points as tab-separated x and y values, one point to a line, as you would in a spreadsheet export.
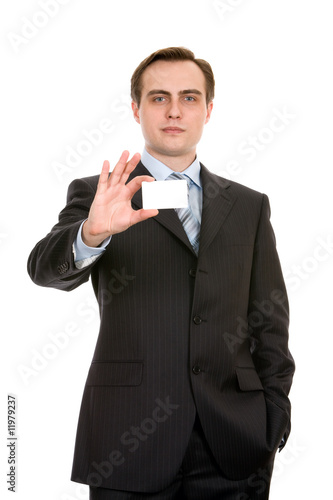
187	393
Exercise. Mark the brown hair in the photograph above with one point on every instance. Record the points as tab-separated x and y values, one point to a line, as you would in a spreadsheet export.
172	54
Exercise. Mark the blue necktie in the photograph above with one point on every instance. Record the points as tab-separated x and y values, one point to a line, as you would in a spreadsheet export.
186	217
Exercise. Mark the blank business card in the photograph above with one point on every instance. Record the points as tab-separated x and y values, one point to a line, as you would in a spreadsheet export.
164	194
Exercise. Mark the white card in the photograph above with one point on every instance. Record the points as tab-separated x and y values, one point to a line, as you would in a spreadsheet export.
164	194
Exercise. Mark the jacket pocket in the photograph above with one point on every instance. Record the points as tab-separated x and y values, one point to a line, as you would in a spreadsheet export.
115	373
248	379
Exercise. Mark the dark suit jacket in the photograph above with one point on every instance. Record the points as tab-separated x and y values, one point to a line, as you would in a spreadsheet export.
179	334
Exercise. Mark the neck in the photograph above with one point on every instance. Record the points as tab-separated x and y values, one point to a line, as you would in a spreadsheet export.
176	163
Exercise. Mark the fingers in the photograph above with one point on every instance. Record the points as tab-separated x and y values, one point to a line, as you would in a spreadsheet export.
124	167
103	178
135	184
120	172
141	215
132	164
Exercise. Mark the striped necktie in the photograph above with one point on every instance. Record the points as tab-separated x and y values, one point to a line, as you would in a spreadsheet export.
186	217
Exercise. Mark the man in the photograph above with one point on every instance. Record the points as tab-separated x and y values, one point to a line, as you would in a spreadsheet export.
187	393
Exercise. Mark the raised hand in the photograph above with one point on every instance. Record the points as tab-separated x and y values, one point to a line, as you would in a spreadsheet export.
111	211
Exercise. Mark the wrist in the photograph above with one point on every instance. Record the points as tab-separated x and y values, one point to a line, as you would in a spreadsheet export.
90	239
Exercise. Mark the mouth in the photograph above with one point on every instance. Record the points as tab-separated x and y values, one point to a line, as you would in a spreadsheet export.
173	130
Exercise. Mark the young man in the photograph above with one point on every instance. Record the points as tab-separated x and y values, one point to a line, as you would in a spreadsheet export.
187	393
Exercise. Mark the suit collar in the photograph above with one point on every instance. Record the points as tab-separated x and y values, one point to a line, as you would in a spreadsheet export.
161	171
167	217
217	203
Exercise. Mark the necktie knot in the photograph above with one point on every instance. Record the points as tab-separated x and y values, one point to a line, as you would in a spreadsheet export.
180	177
176	175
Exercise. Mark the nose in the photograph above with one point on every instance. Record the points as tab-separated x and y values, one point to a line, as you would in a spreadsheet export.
174	110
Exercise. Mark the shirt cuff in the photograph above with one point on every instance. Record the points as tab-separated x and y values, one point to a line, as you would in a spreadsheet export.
84	255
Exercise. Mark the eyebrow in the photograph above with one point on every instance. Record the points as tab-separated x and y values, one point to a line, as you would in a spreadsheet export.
182	92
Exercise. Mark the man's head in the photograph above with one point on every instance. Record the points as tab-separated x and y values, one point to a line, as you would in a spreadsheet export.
172	96
172	54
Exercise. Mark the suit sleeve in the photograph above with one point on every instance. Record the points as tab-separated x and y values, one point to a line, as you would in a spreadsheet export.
268	316
51	262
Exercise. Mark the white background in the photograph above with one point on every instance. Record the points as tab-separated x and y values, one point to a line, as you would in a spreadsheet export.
67	72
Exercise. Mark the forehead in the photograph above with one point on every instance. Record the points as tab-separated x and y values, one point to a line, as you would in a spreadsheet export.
173	76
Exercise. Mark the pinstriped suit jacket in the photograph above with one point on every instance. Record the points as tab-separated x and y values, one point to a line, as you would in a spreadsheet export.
179	335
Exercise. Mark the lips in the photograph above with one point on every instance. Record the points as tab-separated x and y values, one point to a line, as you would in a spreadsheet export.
173	130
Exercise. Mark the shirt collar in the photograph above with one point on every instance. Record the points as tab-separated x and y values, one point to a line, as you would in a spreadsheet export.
160	171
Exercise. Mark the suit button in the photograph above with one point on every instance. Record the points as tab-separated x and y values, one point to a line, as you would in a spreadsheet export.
63	268
196	369
192	273
197	320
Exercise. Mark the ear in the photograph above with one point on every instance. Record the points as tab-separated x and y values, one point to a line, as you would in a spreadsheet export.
136	113
209	111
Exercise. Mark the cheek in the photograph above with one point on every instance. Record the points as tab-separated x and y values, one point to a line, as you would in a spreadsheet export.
149	120
149	126
149	129
199	124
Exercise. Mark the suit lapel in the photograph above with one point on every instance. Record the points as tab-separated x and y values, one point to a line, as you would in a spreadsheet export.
217	203
167	217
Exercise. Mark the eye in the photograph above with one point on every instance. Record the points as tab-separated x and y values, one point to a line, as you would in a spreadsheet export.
159	99
189	98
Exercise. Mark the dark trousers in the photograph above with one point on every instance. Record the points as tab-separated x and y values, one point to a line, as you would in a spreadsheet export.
199	478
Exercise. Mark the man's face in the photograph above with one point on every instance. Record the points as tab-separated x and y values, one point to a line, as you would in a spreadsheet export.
173	109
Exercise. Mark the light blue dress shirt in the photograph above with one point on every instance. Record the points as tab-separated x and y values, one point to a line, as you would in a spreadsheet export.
160	172
84	255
